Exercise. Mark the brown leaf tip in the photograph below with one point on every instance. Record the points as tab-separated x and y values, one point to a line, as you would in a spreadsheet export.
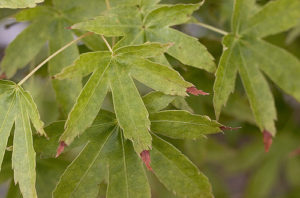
3	76
68	28
267	139
295	153
196	92
60	148
227	128
145	155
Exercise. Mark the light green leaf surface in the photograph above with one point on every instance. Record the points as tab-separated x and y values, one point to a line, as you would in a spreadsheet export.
276	16
157	76
18	3
126	172
170	15
184	48
121	66
182	124
87	105
278	64
86	172
156	101
130	111
259	93
123	21
23	157
176	172
19	108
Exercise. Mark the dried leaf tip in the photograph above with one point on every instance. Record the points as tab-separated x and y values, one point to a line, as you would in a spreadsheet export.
2	76
267	139
227	128
68	28
145	155
196	92
60	148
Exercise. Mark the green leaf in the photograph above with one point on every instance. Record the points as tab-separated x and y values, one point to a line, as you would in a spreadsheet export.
126	172
226	74
276	16
182	124
176	172
156	101
278	64
19	4
243	9
16	55
184	48
156	76
117	69
87	105
259	93
130	111
86	172
85	64
147	50
123	21
24	167
66	90
170	15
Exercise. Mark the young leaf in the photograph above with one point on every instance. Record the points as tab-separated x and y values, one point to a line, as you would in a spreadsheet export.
182	124
153	27
118	71
176	172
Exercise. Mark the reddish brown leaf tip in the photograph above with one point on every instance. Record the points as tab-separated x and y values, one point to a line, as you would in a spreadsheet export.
145	155
68	28
3	76
60	148
295	153
267	139
196	92
227	128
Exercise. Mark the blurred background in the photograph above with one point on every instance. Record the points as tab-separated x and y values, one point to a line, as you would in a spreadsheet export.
235	162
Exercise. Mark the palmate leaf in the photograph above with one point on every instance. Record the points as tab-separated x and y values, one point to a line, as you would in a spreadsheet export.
115	71
48	23
18	107
153	25
112	158
19	4
245	52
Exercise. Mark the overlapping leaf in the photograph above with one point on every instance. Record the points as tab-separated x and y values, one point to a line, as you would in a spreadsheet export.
18	108
139	24
48	23
116	71
247	53
112	158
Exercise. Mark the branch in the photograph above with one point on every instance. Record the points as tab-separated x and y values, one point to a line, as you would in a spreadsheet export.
52	56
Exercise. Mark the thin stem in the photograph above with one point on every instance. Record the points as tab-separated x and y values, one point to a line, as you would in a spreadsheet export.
107	4
107	44
52	56
209	27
